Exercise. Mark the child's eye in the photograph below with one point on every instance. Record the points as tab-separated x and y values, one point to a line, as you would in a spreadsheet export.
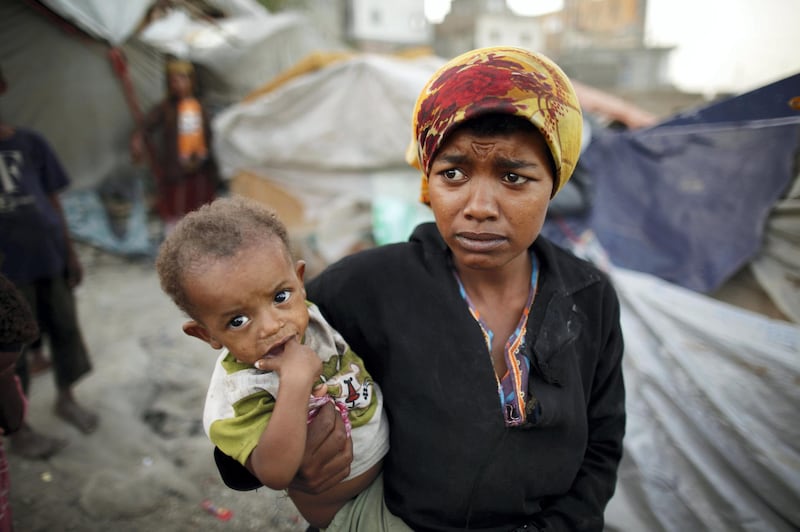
238	322
282	296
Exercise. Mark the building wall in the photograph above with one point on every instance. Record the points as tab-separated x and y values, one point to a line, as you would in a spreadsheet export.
391	23
599	43
501	29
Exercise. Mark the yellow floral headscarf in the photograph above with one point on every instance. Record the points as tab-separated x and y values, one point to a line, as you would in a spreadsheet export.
498	80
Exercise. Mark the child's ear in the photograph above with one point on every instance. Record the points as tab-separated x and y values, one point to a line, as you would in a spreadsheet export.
300	269
193	328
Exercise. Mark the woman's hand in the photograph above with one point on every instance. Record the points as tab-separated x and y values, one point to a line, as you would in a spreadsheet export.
328	454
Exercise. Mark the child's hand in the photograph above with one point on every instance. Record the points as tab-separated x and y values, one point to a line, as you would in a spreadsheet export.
320	390
297	363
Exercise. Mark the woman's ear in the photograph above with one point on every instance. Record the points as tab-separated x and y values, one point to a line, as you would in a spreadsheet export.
193	328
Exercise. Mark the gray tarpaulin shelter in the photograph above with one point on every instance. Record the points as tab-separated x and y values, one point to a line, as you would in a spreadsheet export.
80	72
62	83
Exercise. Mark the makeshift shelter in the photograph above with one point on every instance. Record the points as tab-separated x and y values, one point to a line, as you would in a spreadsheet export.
82	72
62	83
331	134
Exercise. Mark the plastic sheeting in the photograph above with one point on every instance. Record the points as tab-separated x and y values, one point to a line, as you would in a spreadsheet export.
351	115
91	221
63	86
777	265
713	432
689	203
688	199
241	52
113	22
324	135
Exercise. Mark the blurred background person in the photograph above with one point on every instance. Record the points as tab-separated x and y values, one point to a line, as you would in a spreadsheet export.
175	139
37	255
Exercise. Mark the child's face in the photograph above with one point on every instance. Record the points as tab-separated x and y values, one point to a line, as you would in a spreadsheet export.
179	85
251	303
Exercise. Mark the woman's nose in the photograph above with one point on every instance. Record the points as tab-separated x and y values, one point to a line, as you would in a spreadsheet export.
481	201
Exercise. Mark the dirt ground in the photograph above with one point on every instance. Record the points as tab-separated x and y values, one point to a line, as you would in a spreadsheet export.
149	466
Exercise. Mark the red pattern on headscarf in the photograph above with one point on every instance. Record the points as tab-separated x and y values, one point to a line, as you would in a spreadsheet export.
498	80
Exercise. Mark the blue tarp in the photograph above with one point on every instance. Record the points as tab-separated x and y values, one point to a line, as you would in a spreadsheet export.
780	99
687	200
89	222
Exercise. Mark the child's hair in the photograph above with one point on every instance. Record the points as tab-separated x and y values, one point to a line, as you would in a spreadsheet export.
217	230
17	323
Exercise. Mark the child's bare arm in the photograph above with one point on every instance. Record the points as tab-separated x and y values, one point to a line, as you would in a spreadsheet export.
276	458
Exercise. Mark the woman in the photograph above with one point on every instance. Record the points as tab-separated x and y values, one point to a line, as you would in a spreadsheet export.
499	354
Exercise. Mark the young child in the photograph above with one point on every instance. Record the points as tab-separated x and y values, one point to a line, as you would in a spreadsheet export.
18	327
178	133
37	255
229	267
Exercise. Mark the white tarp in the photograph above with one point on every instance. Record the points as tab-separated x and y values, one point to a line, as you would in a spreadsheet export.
242	51
351	115
113	22
777	265
64	86
713	402
324	135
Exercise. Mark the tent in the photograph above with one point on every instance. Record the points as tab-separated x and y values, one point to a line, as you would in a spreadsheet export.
82	72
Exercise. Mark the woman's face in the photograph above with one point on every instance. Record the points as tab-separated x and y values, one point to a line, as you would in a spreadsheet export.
489	195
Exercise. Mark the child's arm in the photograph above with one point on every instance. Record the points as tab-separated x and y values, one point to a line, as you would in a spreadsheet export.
277	456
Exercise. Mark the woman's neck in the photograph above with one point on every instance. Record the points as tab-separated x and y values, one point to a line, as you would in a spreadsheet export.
499	284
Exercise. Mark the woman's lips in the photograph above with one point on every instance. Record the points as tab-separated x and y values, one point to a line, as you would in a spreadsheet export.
479	241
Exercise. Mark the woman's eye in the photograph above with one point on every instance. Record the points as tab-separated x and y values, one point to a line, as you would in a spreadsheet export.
454	174
238	322
514	179
282	296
